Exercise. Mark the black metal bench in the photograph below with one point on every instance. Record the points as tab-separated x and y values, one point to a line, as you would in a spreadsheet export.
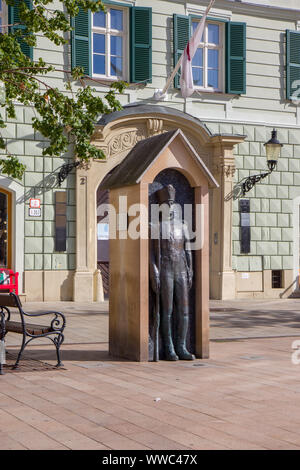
53	331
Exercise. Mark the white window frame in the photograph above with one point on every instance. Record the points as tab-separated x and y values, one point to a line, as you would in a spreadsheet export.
108	32
205	45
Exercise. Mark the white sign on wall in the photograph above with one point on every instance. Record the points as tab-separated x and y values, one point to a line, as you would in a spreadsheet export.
34	212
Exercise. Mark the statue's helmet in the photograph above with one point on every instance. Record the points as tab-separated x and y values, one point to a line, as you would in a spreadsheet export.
166	194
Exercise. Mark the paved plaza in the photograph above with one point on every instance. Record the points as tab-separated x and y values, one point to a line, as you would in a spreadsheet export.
246	396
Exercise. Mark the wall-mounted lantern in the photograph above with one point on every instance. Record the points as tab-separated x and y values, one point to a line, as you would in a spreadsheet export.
273	147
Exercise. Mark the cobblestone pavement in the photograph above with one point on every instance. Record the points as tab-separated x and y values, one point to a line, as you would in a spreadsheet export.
244	397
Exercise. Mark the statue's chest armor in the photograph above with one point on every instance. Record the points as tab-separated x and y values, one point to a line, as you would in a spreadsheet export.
171	231
172	239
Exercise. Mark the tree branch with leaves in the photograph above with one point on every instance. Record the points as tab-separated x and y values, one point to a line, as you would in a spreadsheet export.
64	116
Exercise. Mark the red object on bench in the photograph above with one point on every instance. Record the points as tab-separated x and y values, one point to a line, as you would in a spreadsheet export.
9	280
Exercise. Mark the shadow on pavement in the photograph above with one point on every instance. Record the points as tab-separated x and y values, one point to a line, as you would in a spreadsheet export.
255	319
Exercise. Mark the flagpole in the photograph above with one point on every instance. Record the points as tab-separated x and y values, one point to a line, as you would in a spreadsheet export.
161	94
172	76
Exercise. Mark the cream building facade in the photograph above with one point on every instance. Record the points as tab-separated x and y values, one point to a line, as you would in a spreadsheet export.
244	72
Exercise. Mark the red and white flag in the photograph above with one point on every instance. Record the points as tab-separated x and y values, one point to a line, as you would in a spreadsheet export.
186	78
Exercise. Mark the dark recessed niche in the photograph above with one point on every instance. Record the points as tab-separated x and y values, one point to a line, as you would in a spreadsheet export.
245	226
60	221
277	279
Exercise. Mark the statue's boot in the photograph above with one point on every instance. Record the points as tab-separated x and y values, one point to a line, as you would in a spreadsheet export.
170	354
181	350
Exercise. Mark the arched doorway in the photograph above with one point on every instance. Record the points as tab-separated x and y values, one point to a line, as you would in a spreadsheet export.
116	134
12	232
103	239
5	229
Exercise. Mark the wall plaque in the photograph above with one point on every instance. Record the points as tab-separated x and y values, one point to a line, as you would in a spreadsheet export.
34	212
245	225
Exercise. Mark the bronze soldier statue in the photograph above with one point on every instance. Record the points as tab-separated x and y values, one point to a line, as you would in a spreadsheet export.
171	276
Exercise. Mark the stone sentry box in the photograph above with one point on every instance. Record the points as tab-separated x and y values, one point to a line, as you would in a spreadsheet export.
129	258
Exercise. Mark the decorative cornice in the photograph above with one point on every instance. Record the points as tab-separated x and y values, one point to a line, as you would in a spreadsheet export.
192	9
153	123
254	9
225	140
119	136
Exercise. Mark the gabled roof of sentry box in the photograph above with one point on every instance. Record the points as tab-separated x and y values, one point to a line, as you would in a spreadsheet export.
131	170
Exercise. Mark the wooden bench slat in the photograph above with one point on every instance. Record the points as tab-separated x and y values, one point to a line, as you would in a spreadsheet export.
16	327
7	301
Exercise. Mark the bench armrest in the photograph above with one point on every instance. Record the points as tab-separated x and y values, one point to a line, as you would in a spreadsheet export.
57	323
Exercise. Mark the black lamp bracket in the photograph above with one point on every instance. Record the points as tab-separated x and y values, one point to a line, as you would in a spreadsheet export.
65	170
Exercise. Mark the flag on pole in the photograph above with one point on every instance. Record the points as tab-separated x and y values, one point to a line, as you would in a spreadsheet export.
186	78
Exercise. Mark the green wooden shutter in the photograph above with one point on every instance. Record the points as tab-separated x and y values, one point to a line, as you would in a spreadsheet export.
181	36
292	64
236	58
141	44
81	51
13	17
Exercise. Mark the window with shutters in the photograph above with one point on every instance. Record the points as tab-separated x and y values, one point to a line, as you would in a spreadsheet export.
208	62
110	43
293	65
114	45
15	22
219	64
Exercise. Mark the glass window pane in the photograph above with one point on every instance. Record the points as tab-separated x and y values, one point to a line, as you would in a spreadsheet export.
0	5
213	33
99	43
103	231
99	64
100	19
194	25
198	58
116	66
213	78
116	45
116	19
213	59
198	76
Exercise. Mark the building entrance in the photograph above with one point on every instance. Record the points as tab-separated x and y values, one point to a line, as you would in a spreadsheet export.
5	229
103	239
